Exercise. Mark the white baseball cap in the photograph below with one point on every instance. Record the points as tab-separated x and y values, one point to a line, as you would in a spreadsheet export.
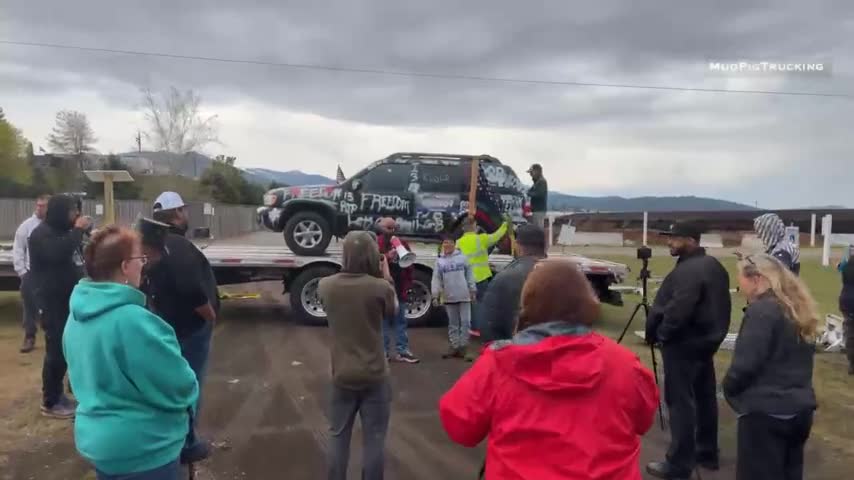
168	201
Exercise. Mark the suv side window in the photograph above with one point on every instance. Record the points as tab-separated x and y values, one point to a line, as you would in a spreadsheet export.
442	179
388	177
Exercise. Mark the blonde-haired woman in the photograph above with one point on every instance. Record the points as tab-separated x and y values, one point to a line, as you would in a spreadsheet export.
769	383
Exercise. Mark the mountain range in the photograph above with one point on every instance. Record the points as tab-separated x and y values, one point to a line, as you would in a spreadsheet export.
193	165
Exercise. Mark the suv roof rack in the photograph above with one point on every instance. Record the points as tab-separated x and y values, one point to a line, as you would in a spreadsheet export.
440	156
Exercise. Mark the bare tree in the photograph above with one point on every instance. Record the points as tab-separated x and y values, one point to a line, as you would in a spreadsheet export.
176	123
72	133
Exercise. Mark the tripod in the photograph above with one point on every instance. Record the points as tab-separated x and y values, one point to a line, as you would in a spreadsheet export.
644	304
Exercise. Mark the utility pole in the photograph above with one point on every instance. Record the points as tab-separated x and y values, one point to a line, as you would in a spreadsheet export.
138	139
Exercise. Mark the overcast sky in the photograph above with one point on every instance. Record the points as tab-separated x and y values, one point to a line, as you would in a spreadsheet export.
779	151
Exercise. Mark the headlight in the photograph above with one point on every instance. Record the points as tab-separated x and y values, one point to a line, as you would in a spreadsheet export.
270	199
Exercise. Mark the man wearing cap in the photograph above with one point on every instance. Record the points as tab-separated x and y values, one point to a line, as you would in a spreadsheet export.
182	290
689	319
500	307
539	195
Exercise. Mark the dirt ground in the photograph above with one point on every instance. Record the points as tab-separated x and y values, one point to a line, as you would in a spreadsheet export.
265	401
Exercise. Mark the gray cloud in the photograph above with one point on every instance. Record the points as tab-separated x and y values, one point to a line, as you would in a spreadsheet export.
655	43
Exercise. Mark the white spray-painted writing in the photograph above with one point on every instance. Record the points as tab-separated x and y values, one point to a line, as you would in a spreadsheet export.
384	203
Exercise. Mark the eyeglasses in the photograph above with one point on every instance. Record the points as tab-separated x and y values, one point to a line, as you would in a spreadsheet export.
143	259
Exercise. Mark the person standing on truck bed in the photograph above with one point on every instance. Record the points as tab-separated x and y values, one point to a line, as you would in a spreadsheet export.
183	291
402	278
21	261
539	195
476	248
56	265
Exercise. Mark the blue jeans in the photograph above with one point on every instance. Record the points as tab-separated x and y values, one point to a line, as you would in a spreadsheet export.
373	405
170	471
195	348
398	324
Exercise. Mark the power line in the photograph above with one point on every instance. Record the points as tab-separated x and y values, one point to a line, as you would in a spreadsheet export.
410	74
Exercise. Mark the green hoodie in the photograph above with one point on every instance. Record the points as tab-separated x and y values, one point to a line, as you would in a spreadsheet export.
134	387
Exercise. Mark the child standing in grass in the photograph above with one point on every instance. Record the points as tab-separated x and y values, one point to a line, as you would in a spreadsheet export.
454	286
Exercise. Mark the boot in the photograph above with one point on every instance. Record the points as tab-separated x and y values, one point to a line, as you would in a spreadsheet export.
451	353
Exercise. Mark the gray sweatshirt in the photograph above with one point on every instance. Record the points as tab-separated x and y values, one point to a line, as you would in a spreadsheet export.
453	278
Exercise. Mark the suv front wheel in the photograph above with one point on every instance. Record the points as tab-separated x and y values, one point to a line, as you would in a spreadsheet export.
307	233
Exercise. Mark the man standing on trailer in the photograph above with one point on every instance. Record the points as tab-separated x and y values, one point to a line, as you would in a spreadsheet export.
183	291
539	195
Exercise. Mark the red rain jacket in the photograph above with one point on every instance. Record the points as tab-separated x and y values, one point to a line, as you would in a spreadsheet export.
555	403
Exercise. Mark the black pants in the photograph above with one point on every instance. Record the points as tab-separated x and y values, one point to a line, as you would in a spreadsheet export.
690	395
772	448
848	329
54	368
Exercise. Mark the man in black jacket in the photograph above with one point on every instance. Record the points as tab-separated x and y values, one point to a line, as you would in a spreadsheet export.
182	290
56	265
689	319
500	306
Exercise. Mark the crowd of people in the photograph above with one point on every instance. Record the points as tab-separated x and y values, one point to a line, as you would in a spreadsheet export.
130	315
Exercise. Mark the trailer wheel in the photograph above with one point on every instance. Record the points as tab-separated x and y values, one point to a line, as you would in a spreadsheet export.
305	301
419	307
307	233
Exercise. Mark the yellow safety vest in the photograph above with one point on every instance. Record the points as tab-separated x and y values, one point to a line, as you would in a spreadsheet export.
476	248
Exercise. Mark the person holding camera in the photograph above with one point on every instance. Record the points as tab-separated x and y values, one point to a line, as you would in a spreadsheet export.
690	317
56	265
557	400
356	301
769	382
454	286
135	389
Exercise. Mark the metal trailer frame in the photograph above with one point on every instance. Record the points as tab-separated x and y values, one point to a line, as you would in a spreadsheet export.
236	264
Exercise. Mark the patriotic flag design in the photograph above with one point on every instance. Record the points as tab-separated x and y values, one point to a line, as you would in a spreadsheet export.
339	175
487	199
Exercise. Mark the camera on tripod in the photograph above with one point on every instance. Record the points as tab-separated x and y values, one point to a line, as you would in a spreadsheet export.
644	253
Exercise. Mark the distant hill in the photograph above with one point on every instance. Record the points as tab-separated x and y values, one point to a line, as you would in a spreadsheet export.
264	176
563	202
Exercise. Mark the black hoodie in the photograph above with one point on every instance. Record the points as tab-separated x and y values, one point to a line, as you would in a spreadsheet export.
56	260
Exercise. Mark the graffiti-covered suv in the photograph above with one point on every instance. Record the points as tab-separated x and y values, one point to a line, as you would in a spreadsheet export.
426	193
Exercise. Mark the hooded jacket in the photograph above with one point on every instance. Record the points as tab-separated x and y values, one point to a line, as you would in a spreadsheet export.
56	260
556	402
134	387
356	301
453	278
499	308
772	231
846	297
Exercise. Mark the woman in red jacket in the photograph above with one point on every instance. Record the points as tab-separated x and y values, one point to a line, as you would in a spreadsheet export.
558	401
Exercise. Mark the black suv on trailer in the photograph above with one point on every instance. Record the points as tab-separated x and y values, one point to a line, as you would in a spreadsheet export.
426	193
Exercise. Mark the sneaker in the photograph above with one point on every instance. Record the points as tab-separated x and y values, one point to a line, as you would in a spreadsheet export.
474	333
406	357
709	462
666	471
29	345
60	411
68	402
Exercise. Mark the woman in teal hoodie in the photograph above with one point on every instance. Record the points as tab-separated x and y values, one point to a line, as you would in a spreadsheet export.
135	390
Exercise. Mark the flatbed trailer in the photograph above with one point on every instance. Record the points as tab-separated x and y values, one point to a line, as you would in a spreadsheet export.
237	263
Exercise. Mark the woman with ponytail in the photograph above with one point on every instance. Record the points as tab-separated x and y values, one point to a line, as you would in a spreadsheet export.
769	383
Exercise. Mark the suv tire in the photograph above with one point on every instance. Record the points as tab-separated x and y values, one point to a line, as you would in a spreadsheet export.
305	303
307	233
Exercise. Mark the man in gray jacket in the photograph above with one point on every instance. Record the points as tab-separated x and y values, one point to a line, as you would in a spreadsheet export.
21	260
500	307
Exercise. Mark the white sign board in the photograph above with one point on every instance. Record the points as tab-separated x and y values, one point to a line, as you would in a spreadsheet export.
794	235
99	209
208	209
